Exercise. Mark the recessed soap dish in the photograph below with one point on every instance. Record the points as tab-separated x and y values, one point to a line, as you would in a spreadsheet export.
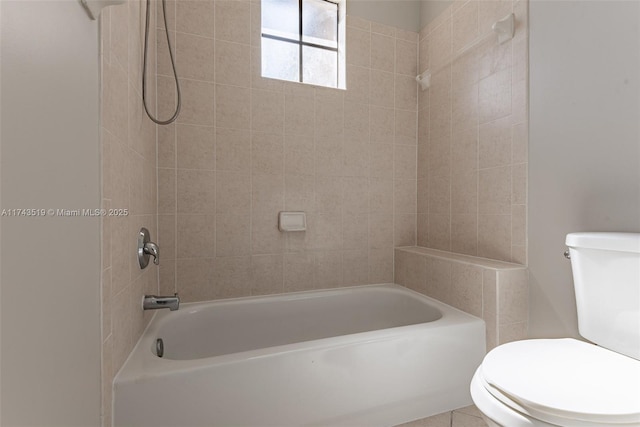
292	221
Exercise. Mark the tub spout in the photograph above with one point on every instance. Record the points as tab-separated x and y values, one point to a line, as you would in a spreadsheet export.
152	302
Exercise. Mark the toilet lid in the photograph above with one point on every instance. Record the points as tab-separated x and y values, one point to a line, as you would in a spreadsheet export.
565	378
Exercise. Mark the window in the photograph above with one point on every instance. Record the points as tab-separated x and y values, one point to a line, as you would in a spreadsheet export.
303	41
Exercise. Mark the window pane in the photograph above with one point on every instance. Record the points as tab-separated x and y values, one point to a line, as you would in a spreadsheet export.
319	66
280	60
320	22
280	17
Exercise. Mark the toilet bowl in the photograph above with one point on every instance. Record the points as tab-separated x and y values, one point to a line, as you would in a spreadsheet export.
567	382
557	382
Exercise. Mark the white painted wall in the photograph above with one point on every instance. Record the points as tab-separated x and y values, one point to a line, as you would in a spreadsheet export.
403	14
50	267
584	147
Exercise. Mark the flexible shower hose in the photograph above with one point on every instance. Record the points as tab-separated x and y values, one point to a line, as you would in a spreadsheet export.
173	66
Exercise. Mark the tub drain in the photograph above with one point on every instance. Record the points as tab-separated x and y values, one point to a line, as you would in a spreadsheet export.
159	347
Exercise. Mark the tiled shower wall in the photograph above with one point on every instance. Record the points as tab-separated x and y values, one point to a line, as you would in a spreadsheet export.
472	144
245	148
129	182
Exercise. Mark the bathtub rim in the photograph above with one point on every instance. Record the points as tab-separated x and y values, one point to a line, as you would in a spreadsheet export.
142	361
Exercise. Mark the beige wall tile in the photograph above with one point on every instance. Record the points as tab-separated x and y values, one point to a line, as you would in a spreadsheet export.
383	52
233	150
494	96
232	21
406	92
494	191
440	195
405	200
232	63
495	143
381	230
466	288
232	277
299	194
328	194
267	193
464	26
265	236
439	235
494	236
232	105
167	235
166	149
519	183
513	332
464	229
355	229
464	109
381	265
326	231
404	233
513	296
439	156
267	111
197	107
355	161
298	162
464	193
520	143
493	57
194	56
356	122
464	151
267	274
299	116
267	153
195	279
440	45
358	80
406	57
298	271
195	236
355	268
359	52
355	197
233	192
380	195
382	89
195	191
195	17
404	157
233	235
360	23
327	269
195	147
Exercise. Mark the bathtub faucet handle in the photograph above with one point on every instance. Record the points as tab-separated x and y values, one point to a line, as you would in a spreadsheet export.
147	248
153	302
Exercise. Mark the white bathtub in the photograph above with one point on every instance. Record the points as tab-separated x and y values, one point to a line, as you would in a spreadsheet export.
369	355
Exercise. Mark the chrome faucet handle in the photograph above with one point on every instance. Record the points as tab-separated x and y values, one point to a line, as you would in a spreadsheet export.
152	249
147	248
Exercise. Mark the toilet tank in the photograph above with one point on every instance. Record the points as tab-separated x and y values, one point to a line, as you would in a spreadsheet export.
606	276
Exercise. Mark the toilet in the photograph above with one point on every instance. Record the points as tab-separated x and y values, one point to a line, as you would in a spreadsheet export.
568	382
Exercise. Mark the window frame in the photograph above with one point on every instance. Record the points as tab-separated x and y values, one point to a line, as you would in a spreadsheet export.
338	50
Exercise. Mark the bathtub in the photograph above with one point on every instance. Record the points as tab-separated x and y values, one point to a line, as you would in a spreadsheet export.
375	355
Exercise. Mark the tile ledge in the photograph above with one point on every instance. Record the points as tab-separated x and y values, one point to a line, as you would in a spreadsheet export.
461	258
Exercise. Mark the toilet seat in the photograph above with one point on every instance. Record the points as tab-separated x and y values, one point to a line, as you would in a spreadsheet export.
564	382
